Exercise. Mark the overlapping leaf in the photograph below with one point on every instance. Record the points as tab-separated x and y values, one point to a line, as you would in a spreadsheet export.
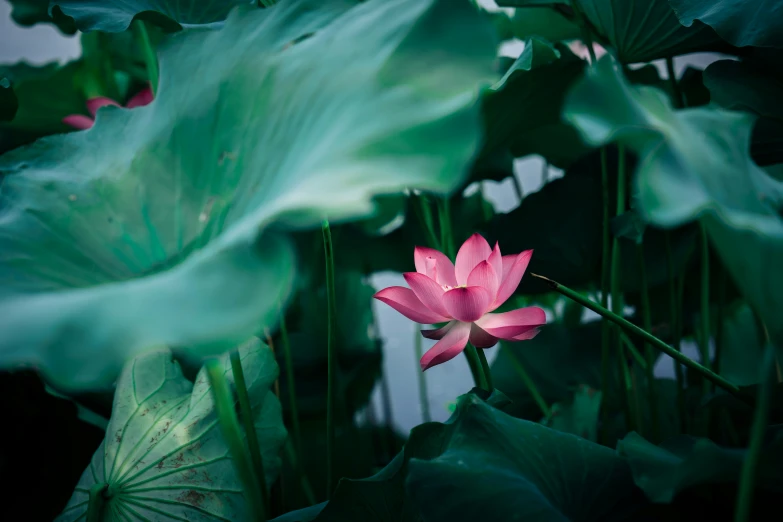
164	457
146	229
638	31
742	23
116	15
694	164
31	12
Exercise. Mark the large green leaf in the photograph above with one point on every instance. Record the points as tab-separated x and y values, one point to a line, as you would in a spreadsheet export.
742	349
164	456
31	12
685	461
638	31
694	164
758	23
496	467
116	15
151	228
756	87
522	113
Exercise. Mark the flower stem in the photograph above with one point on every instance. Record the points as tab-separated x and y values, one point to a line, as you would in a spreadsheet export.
246	412
229	425
704	336
605	273
633	351
475	367
528	382
644	335
97	502
485	368
424	401
649	354
331	310
148	53
678	100
760	418
429	224
289	372
675	305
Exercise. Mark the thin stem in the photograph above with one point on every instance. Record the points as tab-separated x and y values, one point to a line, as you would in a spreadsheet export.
289	372
605	273
721	319
615	276
644	335
331	357
528	382
760	418
475	367
704	336
675	305
444	219
518	187
97	502
679	101
544	173
424	401
293	458
485	368
148	53
429	224
229	426
649	354
246	412
633	351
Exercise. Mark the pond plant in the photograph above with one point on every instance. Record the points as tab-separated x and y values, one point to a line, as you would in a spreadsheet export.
193	211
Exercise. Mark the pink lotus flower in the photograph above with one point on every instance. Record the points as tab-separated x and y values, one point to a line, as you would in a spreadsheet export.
80	121
464	296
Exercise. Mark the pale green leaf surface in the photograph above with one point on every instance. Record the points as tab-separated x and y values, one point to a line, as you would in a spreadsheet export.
741	22
116	15
164	457
146	230
694	163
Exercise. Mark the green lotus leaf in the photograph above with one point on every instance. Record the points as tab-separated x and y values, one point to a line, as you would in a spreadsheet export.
579	415
694	164
638	31
164	457
31	12
685	461
742	23
154	227
752	86
496	467
115	16
523	110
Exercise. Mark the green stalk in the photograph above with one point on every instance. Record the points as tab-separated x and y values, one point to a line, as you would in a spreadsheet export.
633	351
704	337
675	305
605	273
760	418
517	187
247	422
444	218
679	101
148	53
229	425
475	367
429	224
649	354
485	368
331	312
721	318
289	372
614	282
424	401
644	336
97	502
293	458
529	383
